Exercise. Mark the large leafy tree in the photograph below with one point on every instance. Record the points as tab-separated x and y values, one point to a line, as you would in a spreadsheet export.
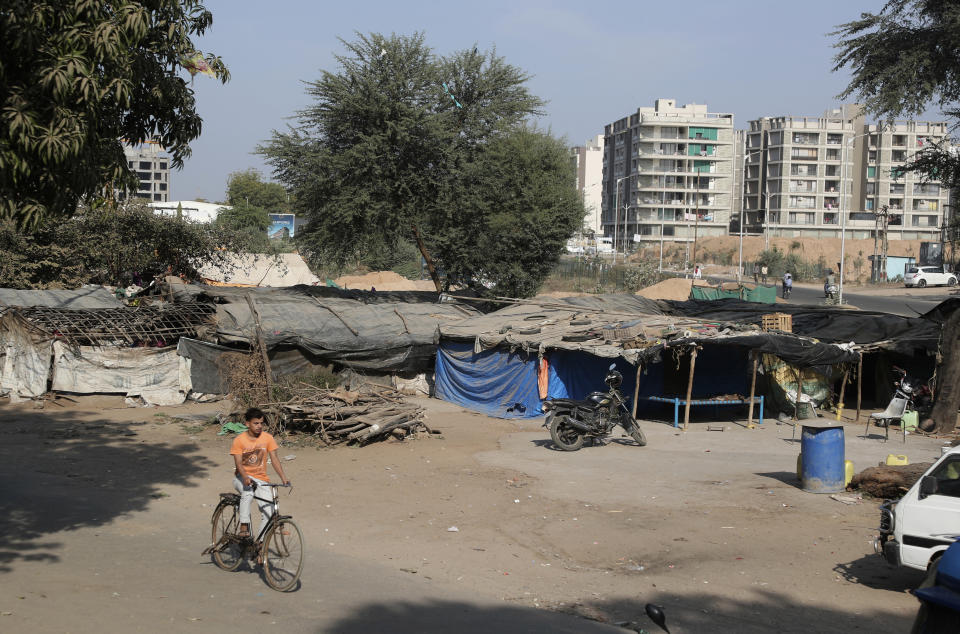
79	76
904	59
390	150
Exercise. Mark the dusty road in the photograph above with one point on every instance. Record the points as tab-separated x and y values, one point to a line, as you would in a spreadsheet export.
108	509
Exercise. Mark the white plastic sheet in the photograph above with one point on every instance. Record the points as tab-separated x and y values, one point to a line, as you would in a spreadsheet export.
158	375
26	365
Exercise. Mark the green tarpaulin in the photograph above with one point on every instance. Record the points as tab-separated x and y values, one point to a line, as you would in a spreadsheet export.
760	294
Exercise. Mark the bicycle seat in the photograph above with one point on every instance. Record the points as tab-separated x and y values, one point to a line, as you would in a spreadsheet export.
230	498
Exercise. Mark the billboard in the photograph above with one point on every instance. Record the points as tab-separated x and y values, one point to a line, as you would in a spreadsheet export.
281	226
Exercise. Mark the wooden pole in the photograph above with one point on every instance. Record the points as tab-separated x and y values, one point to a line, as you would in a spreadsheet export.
636	390
261	345
859	384
796	407
686	410
753	389
843	387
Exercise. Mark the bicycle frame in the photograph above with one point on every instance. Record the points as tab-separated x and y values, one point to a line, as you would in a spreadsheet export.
275	516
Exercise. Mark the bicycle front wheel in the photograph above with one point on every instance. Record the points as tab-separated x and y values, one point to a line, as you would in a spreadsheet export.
283	555
227	551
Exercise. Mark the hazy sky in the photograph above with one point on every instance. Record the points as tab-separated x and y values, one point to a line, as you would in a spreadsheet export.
593	61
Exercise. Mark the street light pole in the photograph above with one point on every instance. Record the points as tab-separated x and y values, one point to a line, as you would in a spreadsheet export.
743	196
616	217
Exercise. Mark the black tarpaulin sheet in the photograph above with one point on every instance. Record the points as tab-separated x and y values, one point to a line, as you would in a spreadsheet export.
205	366
906	335
363	330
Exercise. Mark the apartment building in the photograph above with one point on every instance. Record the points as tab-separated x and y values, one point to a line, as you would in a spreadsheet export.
587	162
917	207
152	167
668	173
801	173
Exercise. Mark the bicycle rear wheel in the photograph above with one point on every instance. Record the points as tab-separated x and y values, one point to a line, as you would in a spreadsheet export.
227	550
283	555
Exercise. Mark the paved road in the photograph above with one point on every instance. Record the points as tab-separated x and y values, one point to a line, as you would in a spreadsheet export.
897	300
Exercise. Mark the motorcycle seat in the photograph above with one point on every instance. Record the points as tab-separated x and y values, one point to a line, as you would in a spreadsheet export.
566	403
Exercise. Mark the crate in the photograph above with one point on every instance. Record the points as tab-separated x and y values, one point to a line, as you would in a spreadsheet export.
777	321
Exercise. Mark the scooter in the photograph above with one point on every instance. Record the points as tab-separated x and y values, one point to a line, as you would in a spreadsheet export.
832	293
786	291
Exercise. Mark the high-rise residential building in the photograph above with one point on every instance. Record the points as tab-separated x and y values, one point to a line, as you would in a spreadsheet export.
588	165
801	173
797	172
668	173
152	167
915	205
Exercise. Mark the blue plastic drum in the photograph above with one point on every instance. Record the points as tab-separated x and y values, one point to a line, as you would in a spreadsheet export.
823	458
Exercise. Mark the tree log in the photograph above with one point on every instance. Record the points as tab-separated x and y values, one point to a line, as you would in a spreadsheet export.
888	481
944	412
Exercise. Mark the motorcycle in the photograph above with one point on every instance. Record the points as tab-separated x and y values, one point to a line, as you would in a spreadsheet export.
918	394
570	421
786	291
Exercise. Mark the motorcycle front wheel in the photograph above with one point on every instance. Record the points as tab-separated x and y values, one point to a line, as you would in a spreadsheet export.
633	428
564	436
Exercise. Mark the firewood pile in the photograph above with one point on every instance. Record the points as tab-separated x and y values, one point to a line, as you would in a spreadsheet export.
338	416
888	481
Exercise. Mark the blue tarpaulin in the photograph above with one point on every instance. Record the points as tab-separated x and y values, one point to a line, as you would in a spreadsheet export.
494	382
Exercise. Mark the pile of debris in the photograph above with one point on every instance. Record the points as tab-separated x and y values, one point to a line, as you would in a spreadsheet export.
338	416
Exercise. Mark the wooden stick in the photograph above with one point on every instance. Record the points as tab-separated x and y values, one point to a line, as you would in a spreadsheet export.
843	388
636	390
796	409
261	344
859	384
337	315
753	388
686	410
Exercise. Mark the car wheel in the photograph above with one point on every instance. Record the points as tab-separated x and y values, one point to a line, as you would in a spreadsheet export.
952	281
922	283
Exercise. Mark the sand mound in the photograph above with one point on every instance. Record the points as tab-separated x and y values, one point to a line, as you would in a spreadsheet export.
674	288
383	281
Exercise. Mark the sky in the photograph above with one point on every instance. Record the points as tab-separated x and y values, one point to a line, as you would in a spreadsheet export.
593	62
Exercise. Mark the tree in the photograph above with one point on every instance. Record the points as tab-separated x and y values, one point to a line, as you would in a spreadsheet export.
115	245
79	76
248	186
390	151
903	59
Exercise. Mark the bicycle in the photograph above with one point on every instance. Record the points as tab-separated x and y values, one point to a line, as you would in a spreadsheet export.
278	547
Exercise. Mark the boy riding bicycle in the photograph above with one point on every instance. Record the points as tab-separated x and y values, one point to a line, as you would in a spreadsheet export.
250	451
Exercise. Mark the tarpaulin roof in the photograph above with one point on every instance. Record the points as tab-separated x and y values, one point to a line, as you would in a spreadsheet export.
631	327
86	297
868	329
380	331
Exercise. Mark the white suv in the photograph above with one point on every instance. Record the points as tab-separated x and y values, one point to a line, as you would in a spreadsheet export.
929	276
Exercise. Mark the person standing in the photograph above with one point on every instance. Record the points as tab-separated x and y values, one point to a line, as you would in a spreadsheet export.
763	273
756	273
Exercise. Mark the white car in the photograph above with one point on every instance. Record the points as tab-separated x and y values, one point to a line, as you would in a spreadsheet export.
929	276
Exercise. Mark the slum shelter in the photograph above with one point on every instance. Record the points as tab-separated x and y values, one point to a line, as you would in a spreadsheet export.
126	350
372	333
507	362
183	341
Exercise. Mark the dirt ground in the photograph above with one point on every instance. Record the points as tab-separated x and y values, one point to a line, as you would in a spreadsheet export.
107	510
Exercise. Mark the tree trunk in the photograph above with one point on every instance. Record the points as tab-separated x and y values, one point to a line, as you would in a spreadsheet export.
426	256
947	402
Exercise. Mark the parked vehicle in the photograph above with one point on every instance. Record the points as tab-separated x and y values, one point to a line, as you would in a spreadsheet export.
917	528
570	421
832	293
928	276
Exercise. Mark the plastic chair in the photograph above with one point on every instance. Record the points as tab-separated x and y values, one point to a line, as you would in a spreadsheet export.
895	411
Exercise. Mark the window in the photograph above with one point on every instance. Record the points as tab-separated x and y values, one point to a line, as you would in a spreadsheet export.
803	170
830	218
144	176
896	203
163	187
830	170
796	218
130	164
869	204
899	140
871	172
924	221
803	154
833	154
948	477
163	165
897	188
871	189
803	202
158	197
898	156
926	188
144	187
834	139
157	176
145	165
872	156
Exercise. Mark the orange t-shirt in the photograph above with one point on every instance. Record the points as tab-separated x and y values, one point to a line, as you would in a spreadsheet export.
253	453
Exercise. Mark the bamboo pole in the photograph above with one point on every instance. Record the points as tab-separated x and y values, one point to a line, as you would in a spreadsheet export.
843	387
261	345
859	384
753	390
686	410
636	390
796	407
